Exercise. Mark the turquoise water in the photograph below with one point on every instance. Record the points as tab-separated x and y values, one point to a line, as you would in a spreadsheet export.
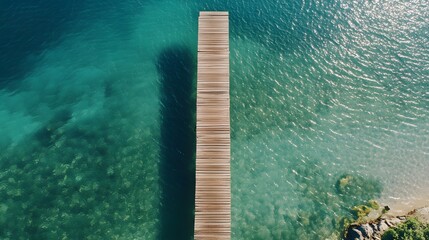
97	115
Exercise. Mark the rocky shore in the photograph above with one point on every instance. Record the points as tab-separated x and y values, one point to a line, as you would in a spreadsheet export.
373	230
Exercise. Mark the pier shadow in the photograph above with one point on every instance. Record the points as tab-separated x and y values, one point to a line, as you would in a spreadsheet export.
176	66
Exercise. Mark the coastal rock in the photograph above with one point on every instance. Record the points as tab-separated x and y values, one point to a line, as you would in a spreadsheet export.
366	231
374	226
422	214
373	230
382	226
354	234
393	221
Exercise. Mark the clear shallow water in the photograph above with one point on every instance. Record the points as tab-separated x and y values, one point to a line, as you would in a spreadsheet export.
97	115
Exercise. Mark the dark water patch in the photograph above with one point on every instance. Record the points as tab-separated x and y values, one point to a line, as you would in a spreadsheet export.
176	66
27	27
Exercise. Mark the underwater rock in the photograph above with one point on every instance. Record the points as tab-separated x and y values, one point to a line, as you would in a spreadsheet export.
366	212
361	211
353	185
343	182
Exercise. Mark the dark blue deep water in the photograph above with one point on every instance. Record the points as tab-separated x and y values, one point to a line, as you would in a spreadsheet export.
97	115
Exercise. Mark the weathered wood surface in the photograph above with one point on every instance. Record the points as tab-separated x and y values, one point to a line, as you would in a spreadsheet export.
213	185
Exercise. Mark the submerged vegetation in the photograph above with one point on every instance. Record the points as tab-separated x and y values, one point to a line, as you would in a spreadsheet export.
361	211
330	214
349	186
49	190
318	89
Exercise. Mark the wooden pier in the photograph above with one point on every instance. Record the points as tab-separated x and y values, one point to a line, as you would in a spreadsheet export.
213	185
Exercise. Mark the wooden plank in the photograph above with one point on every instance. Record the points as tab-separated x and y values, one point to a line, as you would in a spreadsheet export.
214	13
213	185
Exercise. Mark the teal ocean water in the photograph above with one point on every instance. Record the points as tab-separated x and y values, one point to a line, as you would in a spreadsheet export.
97	115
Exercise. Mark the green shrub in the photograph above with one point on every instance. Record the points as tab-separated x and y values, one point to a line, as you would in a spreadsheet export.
412	229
